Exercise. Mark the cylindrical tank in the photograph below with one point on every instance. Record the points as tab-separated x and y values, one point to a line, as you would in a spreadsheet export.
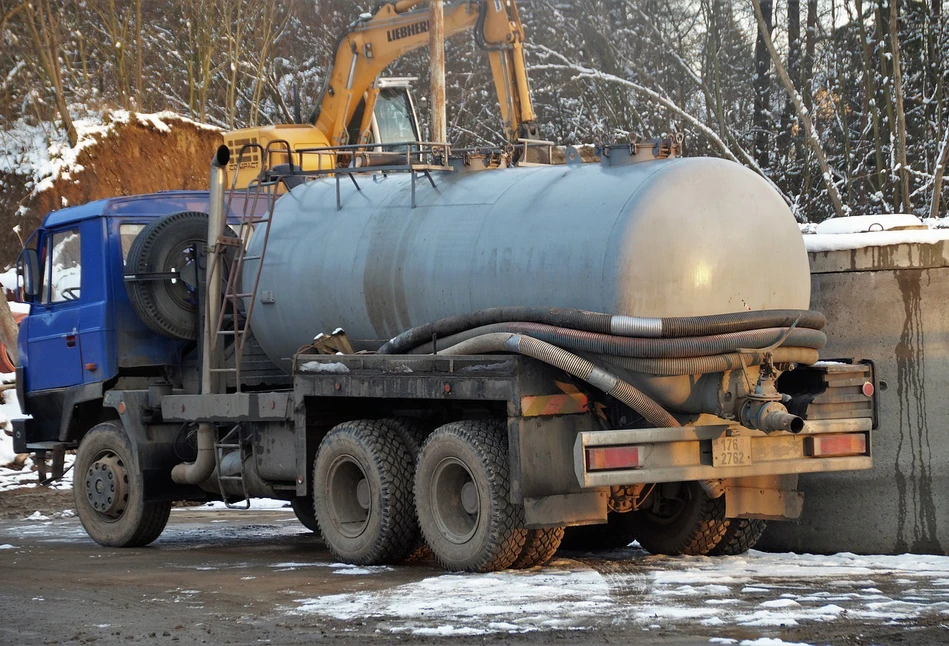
675	237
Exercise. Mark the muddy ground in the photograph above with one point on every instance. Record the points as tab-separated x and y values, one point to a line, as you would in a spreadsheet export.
226	577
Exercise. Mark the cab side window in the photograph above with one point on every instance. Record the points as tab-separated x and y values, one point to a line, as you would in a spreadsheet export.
64	268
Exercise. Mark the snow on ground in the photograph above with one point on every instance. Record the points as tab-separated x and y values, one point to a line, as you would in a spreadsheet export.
256	504
43	154
755	590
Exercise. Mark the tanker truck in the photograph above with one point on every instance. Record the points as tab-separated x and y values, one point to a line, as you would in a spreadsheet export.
425	356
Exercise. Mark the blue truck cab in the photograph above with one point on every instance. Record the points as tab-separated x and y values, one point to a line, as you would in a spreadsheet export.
82	336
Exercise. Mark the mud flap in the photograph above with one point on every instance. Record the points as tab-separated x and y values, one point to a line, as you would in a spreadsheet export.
765	504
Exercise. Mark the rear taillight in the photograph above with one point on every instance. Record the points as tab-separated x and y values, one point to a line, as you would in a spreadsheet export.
608	458
835	445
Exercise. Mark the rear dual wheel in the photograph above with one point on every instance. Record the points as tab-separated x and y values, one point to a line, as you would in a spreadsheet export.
740	536
689	523
362	494
462	498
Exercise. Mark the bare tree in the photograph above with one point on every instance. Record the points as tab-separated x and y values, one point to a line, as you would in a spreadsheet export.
42	25
809	133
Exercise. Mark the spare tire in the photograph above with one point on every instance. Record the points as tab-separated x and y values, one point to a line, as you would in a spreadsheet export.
171	243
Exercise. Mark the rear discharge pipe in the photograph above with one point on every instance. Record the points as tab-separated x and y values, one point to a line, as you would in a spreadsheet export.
194	473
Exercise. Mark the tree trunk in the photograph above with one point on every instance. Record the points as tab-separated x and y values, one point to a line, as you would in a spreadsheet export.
44	30
794	70
810	46
869	98
900	113
762	84
764	29
889	134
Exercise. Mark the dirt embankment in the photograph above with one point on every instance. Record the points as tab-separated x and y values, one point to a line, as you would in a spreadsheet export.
131	158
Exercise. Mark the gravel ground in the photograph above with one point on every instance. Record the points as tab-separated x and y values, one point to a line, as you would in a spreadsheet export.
259	577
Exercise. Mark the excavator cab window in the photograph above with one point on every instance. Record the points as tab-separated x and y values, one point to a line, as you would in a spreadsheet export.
395	116
393	121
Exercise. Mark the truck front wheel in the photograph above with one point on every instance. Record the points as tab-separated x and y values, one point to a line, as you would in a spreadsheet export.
462	498
689	522
108	490
362	493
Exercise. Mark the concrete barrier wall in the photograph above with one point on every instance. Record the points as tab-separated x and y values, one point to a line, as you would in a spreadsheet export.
889	304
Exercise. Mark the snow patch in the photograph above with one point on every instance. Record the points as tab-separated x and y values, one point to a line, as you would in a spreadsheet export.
44	155
319	367
869	223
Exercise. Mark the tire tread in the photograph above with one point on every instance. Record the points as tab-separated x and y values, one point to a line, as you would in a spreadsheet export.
391	459
739	537
507	535
540	545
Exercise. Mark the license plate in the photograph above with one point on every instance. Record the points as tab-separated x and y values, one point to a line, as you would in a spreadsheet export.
731	451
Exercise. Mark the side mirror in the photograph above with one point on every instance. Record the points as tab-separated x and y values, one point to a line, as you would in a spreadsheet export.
28	268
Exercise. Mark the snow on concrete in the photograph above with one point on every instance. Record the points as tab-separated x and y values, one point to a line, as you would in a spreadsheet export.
868	223
856	232
755	591
845	241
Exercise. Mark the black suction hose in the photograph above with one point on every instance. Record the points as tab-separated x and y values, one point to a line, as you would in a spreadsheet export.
646	348
612	324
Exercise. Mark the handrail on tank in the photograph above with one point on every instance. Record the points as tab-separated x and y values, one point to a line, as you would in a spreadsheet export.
414	155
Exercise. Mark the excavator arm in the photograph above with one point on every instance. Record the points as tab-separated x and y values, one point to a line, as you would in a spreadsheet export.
374	41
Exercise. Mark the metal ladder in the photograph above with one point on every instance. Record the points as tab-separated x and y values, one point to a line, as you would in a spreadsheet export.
232	265
232	441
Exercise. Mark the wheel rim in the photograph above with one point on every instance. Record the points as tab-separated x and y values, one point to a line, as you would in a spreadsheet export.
183	259
350	496
106	486
456	501
671	509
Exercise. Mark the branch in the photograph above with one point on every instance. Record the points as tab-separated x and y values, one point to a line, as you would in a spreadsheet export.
810	135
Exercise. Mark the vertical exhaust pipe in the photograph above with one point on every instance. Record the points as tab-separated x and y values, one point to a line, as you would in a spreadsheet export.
196	472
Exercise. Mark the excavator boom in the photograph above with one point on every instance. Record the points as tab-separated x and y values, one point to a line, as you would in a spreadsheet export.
374	41
347	103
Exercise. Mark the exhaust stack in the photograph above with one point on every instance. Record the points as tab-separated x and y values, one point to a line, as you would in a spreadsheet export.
211	382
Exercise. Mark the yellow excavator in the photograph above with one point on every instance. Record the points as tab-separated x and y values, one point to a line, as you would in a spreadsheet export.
356	106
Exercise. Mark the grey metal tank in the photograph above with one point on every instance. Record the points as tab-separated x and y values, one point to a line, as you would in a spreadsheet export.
675	237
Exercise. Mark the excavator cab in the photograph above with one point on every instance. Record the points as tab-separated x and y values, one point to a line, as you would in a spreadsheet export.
393	120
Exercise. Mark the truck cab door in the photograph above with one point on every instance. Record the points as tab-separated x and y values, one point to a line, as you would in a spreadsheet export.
53	347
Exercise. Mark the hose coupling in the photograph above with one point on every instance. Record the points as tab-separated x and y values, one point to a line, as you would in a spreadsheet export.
768	416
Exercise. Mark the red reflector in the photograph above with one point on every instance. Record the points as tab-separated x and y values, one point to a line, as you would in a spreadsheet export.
868	389
604	458
826	445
